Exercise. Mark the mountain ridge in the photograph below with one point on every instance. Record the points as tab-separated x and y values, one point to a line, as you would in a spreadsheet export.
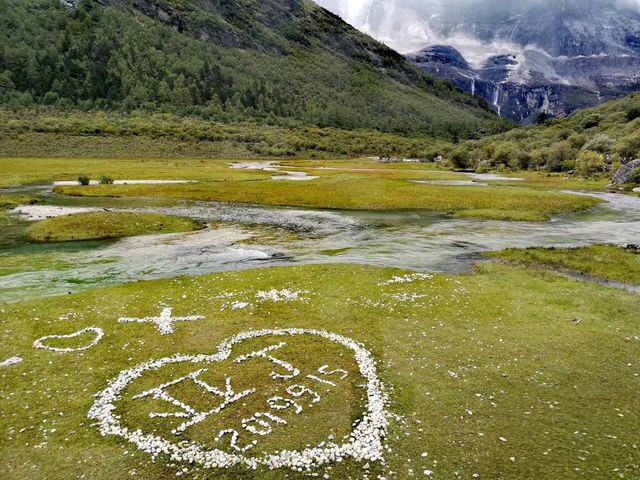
269	61
551	57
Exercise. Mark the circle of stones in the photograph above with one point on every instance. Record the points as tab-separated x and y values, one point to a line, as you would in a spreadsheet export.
365	443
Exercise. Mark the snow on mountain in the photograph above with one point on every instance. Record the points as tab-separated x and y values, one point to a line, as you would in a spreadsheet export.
523	57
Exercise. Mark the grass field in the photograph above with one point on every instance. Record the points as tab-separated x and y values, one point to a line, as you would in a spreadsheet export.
365	191
7	202
20	171
602	261
508	388
357	184
106	225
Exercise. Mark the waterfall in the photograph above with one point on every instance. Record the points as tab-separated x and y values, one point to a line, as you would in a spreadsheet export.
496	99
473	86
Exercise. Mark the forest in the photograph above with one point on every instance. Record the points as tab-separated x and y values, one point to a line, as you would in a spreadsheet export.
202	62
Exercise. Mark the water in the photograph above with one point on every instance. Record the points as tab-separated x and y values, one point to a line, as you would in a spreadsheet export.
255	236
273	167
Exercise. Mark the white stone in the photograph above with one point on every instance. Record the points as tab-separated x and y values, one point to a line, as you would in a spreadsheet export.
39	343
365	443
164	322
11	361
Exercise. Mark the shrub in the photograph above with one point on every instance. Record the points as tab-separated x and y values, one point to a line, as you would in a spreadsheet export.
633	111
577	140
105	180
483	167
590	121
84	180
557	155
460	158
568	165
635	176
524	160
504	154
629	146
600	143
590	164
565	134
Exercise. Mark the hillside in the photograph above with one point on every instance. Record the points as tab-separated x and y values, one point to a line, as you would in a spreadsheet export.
271	61
602	138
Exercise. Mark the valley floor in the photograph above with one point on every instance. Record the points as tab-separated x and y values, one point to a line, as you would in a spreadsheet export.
501	367
504	373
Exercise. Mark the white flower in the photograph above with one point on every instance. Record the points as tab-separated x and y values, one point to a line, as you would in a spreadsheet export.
284	295
409	278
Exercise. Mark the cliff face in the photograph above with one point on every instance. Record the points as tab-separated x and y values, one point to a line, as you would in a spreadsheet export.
524	58
522	89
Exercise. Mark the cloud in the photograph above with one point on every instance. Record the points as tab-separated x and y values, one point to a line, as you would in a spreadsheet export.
629	4
478	28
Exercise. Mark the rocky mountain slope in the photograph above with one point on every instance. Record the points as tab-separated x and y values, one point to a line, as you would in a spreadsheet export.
523	58
272	61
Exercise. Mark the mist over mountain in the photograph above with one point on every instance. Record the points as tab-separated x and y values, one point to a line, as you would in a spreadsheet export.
523	57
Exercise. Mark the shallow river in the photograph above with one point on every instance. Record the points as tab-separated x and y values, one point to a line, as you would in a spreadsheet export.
248	237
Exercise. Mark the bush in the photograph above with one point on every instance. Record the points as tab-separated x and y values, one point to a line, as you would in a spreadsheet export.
504	154
557	155
629	146
105	180
460	158
635	176
565	134
590	121
633	112
84	180
483	167
577	141
590	164
524	160
600	143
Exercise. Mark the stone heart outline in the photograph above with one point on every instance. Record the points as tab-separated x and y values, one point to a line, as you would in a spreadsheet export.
365	443
39	343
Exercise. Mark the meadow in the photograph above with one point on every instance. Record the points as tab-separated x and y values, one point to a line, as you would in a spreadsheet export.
356	184
606	262
539	382
507	372
106	225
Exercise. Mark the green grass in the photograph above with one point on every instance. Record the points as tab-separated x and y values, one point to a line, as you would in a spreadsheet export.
507	215
358	184
462	372
365	191
601	261
20	171
45	133
106	225
12	264
8	201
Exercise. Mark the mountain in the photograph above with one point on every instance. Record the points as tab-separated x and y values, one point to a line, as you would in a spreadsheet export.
524	58
267	61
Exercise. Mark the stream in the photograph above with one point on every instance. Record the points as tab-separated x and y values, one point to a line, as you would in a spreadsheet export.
243	236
